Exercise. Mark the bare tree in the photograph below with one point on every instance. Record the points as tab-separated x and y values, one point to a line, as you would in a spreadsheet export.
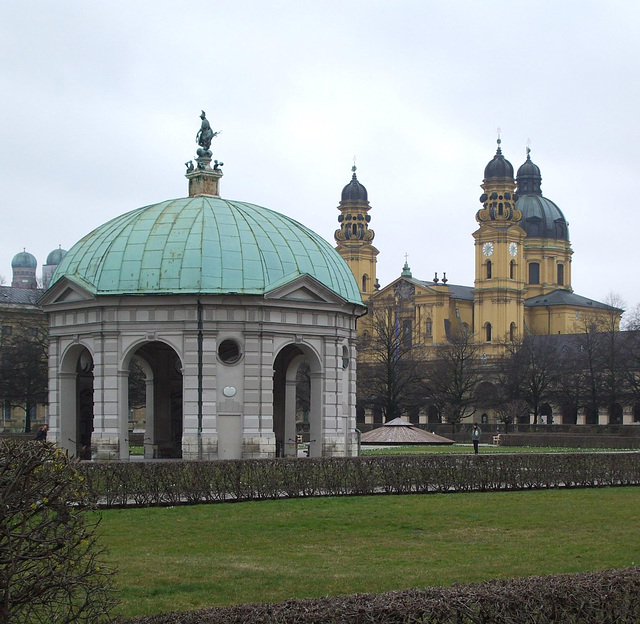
529	371
51	565
390	368
452	377
23	366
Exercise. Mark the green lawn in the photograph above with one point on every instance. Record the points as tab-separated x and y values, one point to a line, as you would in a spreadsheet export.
484	448
182	558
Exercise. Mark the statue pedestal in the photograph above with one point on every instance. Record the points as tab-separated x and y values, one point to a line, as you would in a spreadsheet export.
204	181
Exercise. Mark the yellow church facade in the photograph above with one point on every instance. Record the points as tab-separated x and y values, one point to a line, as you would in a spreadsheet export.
523	260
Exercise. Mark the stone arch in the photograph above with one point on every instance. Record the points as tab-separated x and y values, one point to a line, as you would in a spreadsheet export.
164	398
433	414
76	422
285	370
546	414
486	395
615	414
569	415
591	415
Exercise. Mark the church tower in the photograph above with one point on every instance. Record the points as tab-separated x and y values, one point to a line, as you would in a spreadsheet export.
354	237
499	248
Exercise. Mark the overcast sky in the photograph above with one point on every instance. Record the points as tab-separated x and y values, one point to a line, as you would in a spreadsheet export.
100	101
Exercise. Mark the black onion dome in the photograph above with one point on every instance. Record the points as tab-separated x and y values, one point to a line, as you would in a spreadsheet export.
499	167
529	178
354	191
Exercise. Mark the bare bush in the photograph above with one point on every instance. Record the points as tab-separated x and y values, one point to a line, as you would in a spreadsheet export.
51	567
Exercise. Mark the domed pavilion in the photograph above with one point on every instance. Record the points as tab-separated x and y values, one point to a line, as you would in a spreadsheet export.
218	302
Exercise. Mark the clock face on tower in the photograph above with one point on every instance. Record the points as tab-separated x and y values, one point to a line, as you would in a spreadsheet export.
513	249
487	249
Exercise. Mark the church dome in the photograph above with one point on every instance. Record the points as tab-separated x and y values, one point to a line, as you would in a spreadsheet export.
24	260
354	191
541	218
203	244
55	257
498	167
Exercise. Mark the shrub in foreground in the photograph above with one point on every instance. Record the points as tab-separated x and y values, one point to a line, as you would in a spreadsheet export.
50	562
607	597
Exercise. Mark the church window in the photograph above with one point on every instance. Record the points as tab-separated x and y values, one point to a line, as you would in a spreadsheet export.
488	331
512	332
512	270
365	282
561	275
534	273
488	269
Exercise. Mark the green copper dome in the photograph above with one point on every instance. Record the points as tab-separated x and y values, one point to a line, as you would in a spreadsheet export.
203	244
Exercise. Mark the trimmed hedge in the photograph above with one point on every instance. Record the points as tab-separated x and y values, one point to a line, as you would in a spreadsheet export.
123	484
607	597
570	440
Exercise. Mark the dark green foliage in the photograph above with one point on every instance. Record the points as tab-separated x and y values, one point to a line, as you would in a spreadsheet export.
121	484
607	597
50	562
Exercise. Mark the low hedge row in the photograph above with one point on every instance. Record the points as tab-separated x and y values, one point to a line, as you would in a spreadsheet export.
569	440
121	484
603	597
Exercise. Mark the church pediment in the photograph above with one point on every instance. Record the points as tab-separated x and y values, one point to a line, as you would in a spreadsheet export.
65	291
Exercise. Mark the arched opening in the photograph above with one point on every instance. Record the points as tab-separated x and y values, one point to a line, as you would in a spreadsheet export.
486	395
636	413
488	269
512	332
561	275
615	414
76	402
591	415
139	373
488	332
297	395
414	416
512	269
569	415
433	415
546	414
154	400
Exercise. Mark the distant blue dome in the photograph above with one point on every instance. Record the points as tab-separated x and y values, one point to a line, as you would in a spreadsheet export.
55	257
24	260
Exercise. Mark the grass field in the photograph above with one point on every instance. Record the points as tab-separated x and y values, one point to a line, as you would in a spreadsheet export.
183	558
